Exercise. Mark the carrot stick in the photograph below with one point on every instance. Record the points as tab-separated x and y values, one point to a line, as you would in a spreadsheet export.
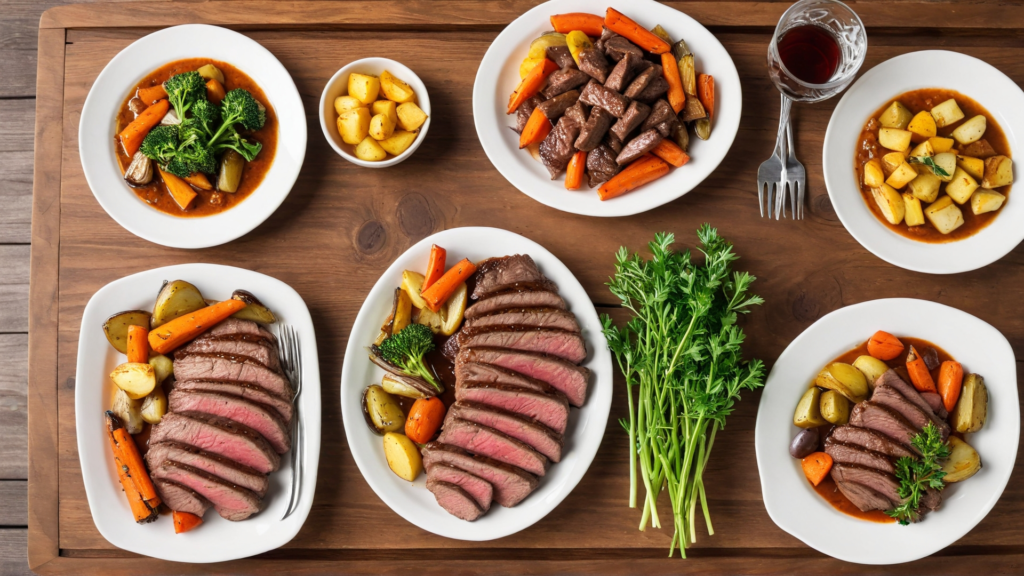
536	130
199	180
424	419
133	134
180	190
884	346
670	152
635	33
435	266
446	285
645	169
185	521
706	93
215	91
138	346
920	376
574	173
152	94
951	377
128	452
816	466
589	24
670	71
142	511
531	84
184	328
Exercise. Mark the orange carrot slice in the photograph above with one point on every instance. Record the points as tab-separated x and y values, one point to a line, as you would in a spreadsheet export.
574	173
184	328
138	346
670	71
424	419
589	24
670	152
884	346
435	266
643	170
706	93
179	189
920	376
133	134
531	84
185	521
440	291
536	130
951	378
152	94
635	33
816	466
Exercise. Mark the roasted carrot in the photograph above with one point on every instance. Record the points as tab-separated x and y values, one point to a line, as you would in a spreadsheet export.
199	180
706	93
446	285
184	328
138	346
920	376
670	71
589	24
180	190
531	84
884	346
142	511
185	521
152	94
635	33
133	134
435	267
536	130
647	168
574	173
215	91
951	377
670	152
816	466
128	452
424	419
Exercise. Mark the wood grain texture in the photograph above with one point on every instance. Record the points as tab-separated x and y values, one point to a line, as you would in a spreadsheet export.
16	120
13	409
12	552
14	266
14	496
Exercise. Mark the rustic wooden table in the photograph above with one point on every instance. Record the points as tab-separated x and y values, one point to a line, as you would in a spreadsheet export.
354	222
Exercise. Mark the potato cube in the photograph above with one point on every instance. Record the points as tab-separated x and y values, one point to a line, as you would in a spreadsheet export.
971	130
873	177
396	90
343	104
410	117
980	149
913	216
892	161
946	113
947	163
940	144
901	176
925	187
381	127
370	150
998	172
398	142
923	149
354	125
944	215
961	186
896	116
986	201
890	203
365	88
894	139
923	125
973	166
387	108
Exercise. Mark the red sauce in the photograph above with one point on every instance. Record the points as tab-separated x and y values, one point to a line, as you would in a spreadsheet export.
810	53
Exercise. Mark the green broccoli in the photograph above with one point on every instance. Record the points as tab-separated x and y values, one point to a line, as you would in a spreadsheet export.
406	350
184	90
239	107
161	144
206	115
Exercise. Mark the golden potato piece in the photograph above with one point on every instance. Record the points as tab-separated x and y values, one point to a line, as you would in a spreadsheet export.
354	125
890	203
896	116
998	172
396	90
381	127
923	125
901	176
115	328
402	455
370	150
808	410
211	72
973	166
961	186
971	409
971	130
385	107
343	104
963	461
410	116
136	379
154	406
129	411
925	187
844	378
873	176
894	139
983	201
912	215
944	215
835	407
871	367
946	113
398	142
176	299
385	413
412	283
363	87
162	367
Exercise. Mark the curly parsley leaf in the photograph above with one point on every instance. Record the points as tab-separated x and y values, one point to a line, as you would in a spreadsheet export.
916	476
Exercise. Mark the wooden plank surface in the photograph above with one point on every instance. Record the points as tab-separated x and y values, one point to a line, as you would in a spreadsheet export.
17	117
14	496
13	408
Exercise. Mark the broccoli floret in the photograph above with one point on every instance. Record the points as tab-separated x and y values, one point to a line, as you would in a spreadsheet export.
247	149
240	107
406	350
184	90
206	115
161	144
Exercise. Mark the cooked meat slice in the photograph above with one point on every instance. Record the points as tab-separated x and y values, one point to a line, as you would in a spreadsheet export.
932	499
617	47
555	107
236	326
260	418
489	442
551	410
862	497
561	81
891	378
594	130
181	498
623	72
480	489
935	402
511	484
557	148
561	55
534	434
523	299
853	454
639	146
637	86
454	500
606	34
256	347
208	462
219	436
890	398
870	440
201	366
656	89
884	420
594	94
884	484
613	142
593	62
661	112
526	317
488	374
634	116
601	165
524	112
568	378
566	345
501	274
244	390
231	502
578	112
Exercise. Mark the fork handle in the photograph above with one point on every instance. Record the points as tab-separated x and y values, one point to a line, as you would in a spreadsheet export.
784	113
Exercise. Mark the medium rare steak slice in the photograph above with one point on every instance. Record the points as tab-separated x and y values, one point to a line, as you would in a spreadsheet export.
480	489
935	402
536	435
870	440
524	299
511	484
181	498
210	463
231	502
560	55
524	111
862	497
891	378
489	442
853	454
594	94
487	373
260	418
639	146
454	500
594	130
884	420
887	396
551	410
555	107
244	390
557	148
504	273
231	326
594	63
884	484
220	436
567	378
631	120
230	367
601	165
550	318
566	345
256	347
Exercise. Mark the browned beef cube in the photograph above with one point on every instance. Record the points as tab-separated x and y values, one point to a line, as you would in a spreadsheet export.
606	34
557	149
524	111
642	81
555	107
656	89
593	62
634	116
595	94
560	55
639	146
561	81
617	47
620	76
594	130
601	165
661	112
613	142
578	112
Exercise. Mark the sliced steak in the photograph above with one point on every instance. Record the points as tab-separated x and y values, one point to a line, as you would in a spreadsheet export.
862	497
884	484
256	347
201	366
639	146
642	81
593	62
853	454
656	89
511	485
661	112
564	80
631	120
888	396
601	165
219	436
566	345
208	462
524	299
524	112
536	435
181	498
935	402
244	390
594	94
891	378
454	500
526	317
568	378
504	273
555	107
884	420
594	130
231	502
489	442
231	326
617	47
480	489
260	418
561	55
488	374
557	148
870	440
551	410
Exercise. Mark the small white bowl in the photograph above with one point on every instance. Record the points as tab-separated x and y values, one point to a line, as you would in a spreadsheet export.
338	86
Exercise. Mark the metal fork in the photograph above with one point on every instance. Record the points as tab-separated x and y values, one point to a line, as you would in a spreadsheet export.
771	176
291	361
796	179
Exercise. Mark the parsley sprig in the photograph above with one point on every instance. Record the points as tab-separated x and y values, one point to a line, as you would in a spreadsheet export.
929	162
916	476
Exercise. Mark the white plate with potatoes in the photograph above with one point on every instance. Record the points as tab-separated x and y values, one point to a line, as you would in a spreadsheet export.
375	112
873	218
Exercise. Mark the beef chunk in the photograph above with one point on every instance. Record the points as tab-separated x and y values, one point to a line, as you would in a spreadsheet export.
606	35
578	112
562	56
656	89
661	112
613	142
639	146
623	72
642	81
595	94
555	107
594	63
561	81
634	116
557	149
594	130
617	47
601	165
524	112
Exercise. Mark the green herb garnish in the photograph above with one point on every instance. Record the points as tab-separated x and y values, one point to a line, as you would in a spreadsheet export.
680	354
929	162
917	475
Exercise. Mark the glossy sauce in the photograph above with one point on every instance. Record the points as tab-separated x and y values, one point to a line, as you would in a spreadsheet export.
916	101
208	202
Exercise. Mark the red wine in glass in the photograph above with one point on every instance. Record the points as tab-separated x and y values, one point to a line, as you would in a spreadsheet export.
811	53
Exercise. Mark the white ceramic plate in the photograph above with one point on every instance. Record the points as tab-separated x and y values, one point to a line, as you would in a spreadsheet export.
928	69
498	77
586	425
217	540
791	500
96	135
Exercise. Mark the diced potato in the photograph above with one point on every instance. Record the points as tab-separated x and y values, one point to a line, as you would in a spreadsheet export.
998	172
381	127
162	367
135	378
971	409
983	201
410	117
923	149
940	144
980	149
971	130
947	162
387	108
363	87
894	139
901	176
154	406
211	72
412	283
871	367
129	411
577	42
845	379
892	161
925	187
873	173
395	89
890	203
808	410
973	166
923	125
944	215
370	150
896	116
913	215
398	142
115	328
343	104
354	125
946	113
176	299
402	455
961	186
835	407
963	461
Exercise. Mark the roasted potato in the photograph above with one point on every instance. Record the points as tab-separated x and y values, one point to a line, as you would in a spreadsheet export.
163	367
973	166
448	319
971	409
410	116
395	89
892	161
176	299
946	113
804	443
115	328
944	215
998	172
229	175
387	108
154	406
128	410
385	413
364	87
211	72
845	379
254	309
971	130
983	201
354	125
403	456
393	385
403	311
925	187
412	283
901	176
894	139
808	410
923	125
871	367
381	126
136	379
890	203
896	116
947	162
835	407
398	142
923	149
370	150
912	214
343	104
980	149
961	186
873	175
940	144
963	461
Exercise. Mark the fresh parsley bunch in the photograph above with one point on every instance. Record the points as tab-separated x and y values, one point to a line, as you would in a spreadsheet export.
916	476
